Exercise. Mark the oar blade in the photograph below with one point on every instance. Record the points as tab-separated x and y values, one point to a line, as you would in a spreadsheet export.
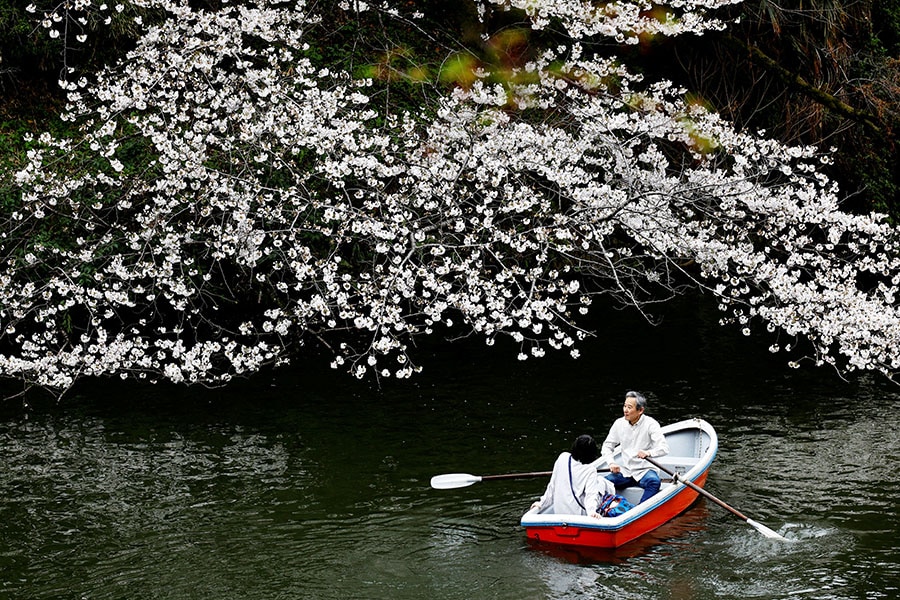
453	480
765	530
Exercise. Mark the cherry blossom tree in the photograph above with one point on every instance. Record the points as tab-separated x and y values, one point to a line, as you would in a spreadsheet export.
230	197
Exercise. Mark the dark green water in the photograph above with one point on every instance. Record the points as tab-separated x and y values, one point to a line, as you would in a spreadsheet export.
316	486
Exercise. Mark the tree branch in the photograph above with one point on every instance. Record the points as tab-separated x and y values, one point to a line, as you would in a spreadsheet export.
798	82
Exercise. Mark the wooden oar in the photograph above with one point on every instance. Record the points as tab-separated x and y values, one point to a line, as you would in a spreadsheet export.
758	526
458	480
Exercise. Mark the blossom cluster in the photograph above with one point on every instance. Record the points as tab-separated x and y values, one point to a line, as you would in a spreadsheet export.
73	21
624	21
231	198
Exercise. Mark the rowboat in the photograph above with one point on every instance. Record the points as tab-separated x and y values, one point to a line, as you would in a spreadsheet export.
692	447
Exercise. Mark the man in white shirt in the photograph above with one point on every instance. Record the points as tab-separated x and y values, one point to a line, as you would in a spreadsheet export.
636	436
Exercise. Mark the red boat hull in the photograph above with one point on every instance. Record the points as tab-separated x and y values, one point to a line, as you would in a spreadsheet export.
575	535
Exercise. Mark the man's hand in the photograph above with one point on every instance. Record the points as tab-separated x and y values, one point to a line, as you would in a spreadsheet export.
614	468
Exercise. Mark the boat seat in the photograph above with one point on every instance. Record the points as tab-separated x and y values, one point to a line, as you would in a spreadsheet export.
632	494
679	464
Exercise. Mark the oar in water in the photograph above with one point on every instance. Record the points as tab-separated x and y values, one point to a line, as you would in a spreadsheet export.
758	526
458	480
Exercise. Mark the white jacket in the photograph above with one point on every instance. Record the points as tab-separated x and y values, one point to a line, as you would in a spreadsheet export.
582	496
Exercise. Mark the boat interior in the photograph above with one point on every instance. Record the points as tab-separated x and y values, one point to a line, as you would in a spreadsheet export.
689	446
678	464
685	450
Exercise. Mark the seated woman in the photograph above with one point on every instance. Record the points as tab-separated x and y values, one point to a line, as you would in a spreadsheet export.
575	488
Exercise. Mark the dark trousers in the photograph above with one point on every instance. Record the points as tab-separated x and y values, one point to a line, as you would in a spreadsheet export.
649	482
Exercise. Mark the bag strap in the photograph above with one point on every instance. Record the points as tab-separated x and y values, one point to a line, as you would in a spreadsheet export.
572	486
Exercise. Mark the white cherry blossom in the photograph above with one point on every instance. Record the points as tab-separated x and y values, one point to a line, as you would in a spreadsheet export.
221	168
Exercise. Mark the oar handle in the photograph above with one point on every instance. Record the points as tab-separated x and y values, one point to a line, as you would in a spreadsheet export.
696	488
526	475
518	475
